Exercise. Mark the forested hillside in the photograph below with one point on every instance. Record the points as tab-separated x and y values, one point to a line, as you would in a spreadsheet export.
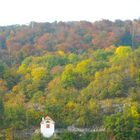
79	73
19	41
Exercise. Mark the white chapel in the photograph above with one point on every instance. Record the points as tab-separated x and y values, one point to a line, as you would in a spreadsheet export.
47	127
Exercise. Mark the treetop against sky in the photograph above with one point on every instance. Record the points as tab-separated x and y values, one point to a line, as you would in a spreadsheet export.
24	11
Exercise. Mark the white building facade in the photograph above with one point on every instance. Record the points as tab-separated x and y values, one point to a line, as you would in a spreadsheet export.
47	127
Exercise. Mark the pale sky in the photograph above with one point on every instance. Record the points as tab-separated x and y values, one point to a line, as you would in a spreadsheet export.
25	11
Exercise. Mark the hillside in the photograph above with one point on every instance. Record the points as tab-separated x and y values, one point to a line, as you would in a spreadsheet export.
81	74
20	41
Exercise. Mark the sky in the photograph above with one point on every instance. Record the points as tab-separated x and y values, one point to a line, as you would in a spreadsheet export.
25	11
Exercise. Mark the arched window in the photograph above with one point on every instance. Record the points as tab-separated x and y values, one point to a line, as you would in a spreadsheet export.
47	125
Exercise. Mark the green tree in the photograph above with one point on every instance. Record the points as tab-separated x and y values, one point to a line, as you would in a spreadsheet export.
68	76
125	125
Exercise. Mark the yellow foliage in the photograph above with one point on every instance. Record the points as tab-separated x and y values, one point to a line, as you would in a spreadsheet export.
22	69
14	100
68	68
134	111
31	67
3	86
123	51
92	105
133	70
97	75
53	100
61	53
38	73
27	76
9	134
82	67
15	89
71	105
